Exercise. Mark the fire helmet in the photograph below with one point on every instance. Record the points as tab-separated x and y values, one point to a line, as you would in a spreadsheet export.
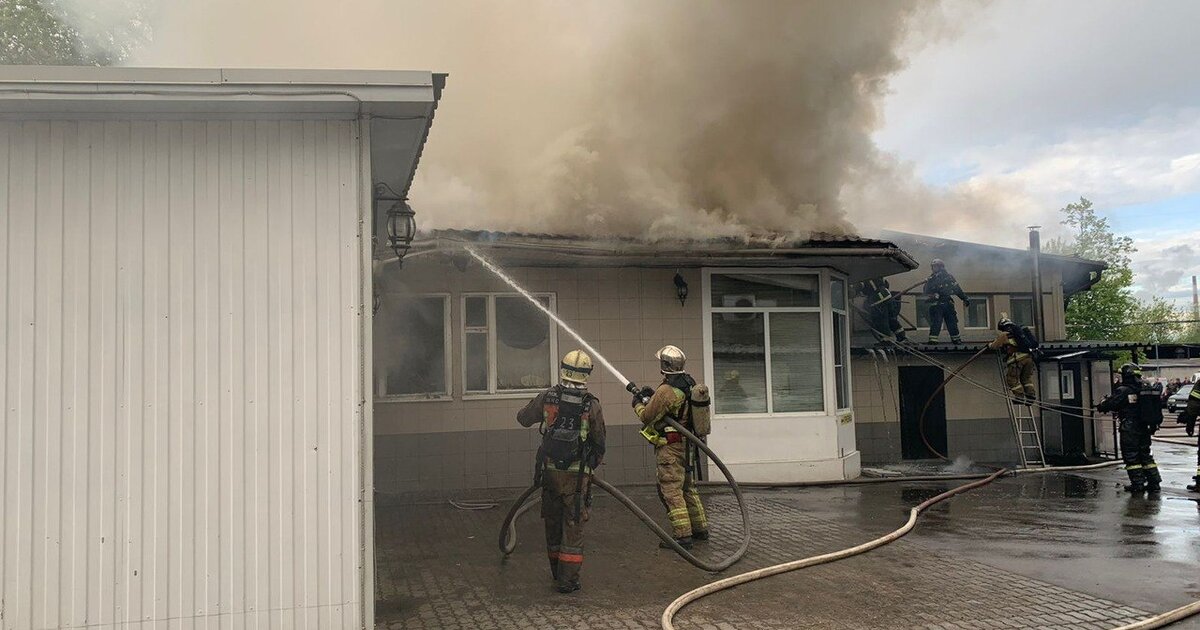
937	263
1131	371
576	367
1004	323
670	360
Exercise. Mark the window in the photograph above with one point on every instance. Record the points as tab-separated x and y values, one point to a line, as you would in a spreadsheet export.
1022	310
508	344
977	315
412	346
767	341
841	343
1068	384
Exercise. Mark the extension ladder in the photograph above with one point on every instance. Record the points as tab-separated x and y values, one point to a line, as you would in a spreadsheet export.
1025	428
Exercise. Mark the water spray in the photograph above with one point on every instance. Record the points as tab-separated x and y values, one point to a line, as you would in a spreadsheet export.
508	533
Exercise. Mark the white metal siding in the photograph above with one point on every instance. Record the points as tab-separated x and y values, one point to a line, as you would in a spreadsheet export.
180	346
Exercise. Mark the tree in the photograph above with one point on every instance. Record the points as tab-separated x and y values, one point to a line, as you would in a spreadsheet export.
38	32
1101	312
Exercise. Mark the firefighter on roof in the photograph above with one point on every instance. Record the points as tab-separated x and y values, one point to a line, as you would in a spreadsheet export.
572	447
1020	347
883	308
1138	406
940	289
672	454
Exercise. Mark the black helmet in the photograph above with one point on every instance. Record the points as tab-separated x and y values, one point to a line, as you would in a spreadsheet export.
1131	371
1004	323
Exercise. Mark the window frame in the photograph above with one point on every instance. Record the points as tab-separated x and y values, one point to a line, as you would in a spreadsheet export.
1032	311
493	392
380	377
845	312
825	313
986	298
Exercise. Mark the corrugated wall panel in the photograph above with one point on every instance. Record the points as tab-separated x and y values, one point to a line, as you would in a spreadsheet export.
181	345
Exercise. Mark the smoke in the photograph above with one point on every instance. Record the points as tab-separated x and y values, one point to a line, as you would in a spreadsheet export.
673	117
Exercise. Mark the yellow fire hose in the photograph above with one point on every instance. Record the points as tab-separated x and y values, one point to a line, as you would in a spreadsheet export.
1157	621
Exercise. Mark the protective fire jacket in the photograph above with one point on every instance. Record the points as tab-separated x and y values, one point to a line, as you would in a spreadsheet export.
1193	405
591	429
1123	401
669	399
941	286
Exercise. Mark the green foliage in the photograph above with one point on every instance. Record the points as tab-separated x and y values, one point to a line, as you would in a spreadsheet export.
38	32
1100	312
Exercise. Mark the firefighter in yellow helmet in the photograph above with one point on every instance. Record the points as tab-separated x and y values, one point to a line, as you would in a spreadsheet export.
671	452
572	448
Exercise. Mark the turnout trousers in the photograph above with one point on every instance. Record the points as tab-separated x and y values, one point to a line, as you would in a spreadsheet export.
1019	376
564	533
676	490
943	312
1135	452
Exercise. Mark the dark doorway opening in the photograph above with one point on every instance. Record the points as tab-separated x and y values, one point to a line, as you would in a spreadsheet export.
917	385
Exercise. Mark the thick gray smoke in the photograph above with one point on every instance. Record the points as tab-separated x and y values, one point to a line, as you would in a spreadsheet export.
619	116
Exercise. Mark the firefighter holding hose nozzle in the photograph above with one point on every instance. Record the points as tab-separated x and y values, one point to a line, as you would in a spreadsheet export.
1138	406
572	448
674	397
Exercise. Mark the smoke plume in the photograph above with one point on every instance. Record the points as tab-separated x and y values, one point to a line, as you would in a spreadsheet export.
660	118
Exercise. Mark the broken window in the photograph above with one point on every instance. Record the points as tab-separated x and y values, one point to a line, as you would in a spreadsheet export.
410	346
508	344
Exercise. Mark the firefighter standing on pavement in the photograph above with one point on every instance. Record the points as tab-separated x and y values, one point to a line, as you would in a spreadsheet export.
1188	417
883	307
1019	346
572	447
671	452
1135	403
940	289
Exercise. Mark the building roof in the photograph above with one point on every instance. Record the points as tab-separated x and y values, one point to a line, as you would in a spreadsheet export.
72	90
1051	348
856	256
1078	274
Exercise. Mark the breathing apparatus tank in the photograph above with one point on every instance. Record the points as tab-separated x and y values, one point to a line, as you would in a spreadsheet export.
701	404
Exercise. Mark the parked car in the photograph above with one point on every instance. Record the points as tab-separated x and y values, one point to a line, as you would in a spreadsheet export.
1178	400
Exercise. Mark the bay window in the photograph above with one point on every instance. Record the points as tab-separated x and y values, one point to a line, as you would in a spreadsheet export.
775	340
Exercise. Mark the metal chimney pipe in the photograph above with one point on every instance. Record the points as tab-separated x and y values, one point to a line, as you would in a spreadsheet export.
1195	300
1035	251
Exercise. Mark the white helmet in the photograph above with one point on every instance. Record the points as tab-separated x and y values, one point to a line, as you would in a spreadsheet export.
670	360
576	367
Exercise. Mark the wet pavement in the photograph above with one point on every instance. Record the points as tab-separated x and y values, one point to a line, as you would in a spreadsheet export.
1040	551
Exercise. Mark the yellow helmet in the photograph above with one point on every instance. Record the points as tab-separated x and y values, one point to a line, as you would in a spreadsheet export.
576	367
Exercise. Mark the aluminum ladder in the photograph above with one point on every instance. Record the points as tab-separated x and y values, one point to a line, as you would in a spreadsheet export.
1025	427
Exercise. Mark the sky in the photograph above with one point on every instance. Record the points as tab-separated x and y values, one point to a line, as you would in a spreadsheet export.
1052	101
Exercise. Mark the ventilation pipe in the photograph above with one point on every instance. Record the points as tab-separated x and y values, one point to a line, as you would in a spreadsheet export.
1035	251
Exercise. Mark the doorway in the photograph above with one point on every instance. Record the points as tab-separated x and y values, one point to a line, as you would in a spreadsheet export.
1070	387
917	385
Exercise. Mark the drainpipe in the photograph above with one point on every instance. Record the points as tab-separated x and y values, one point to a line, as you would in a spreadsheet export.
1035	250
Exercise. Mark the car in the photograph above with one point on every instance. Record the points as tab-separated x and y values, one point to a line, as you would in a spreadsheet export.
1178	400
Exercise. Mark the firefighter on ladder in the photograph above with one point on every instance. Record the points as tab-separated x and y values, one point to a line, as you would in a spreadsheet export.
572	447
1020	348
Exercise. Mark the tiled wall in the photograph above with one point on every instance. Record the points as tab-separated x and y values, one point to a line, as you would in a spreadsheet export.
977	424
627	314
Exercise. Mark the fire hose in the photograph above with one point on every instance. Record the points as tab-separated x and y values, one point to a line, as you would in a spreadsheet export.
508	531
1157	621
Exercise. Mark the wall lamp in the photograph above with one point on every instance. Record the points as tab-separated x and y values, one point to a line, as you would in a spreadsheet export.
681	288
401	221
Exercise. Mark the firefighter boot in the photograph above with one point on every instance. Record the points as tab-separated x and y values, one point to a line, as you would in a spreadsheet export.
700	536
1195	487
568	587
685	542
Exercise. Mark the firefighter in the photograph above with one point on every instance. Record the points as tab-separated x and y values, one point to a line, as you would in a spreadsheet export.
883	308
1188	417
940	289
572	448
1135	403
1020	348
676	488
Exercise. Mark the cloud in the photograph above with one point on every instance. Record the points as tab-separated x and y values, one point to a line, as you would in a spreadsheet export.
1164	266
